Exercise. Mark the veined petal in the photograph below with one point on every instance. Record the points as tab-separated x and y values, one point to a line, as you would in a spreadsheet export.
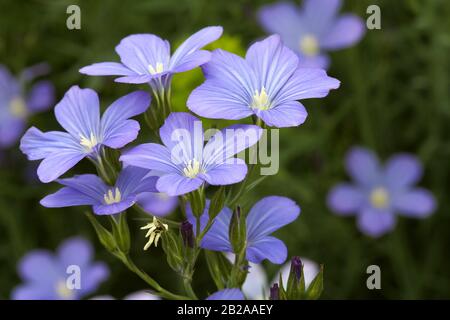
268	215
363	166
107	209
182	134
345	199
217	238
138	79
150	156
41	96
88	184
140	51
58	163
402	170
78	112
273	64
269	248
227	294
176	184
182	58
228	142
288	114
215	100
68	197
133	180
38	145
306	83
192	61
230	172
320	61
417	203
107	69
117	130
346	31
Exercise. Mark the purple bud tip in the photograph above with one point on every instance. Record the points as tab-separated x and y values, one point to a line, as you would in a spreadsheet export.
187	233
296	267
274	292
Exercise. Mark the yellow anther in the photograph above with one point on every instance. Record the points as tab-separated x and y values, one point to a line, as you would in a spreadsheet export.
88	143
18	108
155	229
309	45
379	198
261	100
112	197
159	68
192	169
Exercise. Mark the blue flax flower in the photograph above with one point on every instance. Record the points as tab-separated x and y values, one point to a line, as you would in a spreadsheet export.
46	275
79	114
265	217
157	203
379	192
227	294
89	189
146	58
16	104
267	84
313	29
185	163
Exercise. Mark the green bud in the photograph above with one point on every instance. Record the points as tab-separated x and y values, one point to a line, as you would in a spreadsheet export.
173	248
237	231
105	237
197	201
217	203
121	232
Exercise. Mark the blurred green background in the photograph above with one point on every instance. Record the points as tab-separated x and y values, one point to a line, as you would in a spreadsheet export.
394	97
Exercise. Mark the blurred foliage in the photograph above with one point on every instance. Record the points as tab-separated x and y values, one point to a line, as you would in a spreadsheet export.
394	97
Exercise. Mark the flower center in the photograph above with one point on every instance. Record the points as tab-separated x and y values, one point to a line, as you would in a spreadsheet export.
155	229
261	100
112	196
379	198
192	169
309	45
88	143
62	290
155	70
18	108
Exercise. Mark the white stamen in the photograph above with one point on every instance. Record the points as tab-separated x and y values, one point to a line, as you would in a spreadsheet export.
261	100
192	169
159	68
88	143
155	229
112	197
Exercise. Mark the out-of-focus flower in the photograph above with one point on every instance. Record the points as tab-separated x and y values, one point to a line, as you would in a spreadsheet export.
146	58
265	217
138	295
312	29
89	189
185	163
17	104
79	114
157	204
49	276
379	192
227	294
267	84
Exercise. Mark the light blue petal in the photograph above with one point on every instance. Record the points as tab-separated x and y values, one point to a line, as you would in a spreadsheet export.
107	69
227	294
269	248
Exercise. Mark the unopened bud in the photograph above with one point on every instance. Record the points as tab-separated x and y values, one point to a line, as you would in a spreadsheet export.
187	233
274	292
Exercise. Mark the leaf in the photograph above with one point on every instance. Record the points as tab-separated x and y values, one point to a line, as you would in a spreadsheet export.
316	287
219	267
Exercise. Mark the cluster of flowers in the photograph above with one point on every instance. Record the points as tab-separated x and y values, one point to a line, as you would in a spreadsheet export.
179	167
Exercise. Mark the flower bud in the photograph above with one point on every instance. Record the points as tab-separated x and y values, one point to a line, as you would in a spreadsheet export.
296	267
187	233
274	292
237	231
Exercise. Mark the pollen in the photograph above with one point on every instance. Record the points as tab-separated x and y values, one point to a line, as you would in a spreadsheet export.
88	143
155	229
309	45
18	108
261	100
112	196
159	68
192	169
379	198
